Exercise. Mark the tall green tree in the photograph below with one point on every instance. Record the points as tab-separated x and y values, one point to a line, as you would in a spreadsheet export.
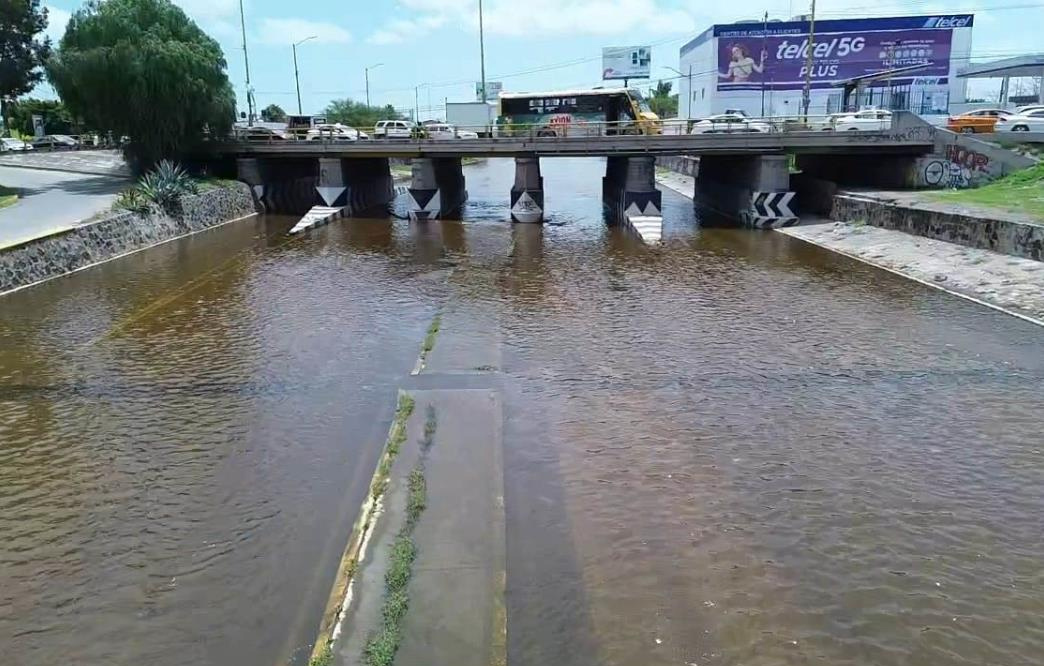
273	113
142	69
22	51
662	102
357	114
56	117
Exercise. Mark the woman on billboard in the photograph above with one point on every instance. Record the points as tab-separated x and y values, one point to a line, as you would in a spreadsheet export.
742	66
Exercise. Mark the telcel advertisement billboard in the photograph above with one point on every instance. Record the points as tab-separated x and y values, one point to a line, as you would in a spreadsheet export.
749	58
626	62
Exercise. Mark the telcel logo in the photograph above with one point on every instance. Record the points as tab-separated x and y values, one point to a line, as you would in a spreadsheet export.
947	22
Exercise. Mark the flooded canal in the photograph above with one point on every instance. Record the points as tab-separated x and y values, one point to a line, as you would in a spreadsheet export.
734	448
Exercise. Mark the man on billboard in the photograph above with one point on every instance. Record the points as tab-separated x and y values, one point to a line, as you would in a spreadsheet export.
741	65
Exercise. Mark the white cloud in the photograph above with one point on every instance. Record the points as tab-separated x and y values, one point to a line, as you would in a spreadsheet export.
539	18
57	19
289	30
400	30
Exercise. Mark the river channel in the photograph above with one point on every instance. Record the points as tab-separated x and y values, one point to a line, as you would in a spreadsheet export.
733	448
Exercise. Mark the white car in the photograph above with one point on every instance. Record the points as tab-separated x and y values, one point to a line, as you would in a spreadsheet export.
12	144
729	123
868	119
1027	121
443	131
393	129
335	132
1026	109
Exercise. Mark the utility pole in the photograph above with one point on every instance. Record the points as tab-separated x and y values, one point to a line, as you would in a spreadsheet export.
297	77
366	73
482	53
416	104
806	96
246	63
764	36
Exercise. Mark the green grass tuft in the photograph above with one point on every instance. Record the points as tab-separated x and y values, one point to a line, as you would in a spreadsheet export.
396	438
324	658
1019	192
433	331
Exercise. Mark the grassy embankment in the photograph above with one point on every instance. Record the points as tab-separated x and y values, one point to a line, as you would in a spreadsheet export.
7	196
1020	192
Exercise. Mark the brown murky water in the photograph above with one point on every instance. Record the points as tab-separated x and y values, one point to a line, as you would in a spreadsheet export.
731	449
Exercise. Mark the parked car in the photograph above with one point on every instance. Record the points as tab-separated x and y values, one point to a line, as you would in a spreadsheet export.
829	123
335	132
867	119
1029	107
979	121
1029	121
728	123
262	134
442	131
55	142
10	144
393	129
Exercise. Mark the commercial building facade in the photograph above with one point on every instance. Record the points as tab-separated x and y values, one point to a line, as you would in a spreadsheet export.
762	68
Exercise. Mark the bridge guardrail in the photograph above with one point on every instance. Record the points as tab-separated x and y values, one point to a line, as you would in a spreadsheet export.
587	130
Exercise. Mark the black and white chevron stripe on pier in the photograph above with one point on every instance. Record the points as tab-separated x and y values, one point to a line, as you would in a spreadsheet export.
771	210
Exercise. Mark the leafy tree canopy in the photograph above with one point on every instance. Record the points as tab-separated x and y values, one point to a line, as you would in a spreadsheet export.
21	53
357	114
273	113
142	69
662	102
56	117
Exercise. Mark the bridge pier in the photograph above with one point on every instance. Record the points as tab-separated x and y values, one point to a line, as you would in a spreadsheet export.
437	189
347	186
752	189
279	185
630	197
527	194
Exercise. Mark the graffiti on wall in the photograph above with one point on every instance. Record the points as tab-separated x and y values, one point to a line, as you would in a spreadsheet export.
959	170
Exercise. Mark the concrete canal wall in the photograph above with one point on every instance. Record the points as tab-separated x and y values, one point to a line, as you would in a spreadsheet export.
121	233
1008	236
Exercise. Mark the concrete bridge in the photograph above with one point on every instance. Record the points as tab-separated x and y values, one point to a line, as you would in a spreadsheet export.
741	175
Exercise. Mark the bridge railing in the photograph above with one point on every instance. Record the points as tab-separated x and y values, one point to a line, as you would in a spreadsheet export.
572	129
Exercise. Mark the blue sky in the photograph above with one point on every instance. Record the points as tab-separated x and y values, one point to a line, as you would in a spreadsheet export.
530	44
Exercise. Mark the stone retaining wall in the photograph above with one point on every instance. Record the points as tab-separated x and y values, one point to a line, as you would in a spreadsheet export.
69	250
684	164
1020	239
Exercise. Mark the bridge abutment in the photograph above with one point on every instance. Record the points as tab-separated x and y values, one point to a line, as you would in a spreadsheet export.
437	188
753	189
630	197
527	194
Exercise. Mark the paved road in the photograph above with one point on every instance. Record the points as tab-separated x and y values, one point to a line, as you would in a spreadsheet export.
52	200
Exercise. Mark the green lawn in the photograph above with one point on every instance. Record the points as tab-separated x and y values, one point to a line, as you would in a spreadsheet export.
7	196
1020	192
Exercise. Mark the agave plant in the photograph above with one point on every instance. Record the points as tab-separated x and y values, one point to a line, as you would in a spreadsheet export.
133	201
166	184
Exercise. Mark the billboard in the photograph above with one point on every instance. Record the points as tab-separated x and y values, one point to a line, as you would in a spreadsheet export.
493	90
750	59
626	62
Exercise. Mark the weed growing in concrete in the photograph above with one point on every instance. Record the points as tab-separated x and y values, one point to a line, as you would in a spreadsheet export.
396	438
433	330
429	429
324	658
381	647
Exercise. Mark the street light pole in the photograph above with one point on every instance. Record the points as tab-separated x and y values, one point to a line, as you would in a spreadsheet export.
416	103
297	77
366	73
246	64
482	53
764	36
806	96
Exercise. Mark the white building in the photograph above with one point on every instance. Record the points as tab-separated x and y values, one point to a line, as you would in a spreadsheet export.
761	68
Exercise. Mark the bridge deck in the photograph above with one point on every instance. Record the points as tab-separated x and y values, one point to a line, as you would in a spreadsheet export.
894	141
